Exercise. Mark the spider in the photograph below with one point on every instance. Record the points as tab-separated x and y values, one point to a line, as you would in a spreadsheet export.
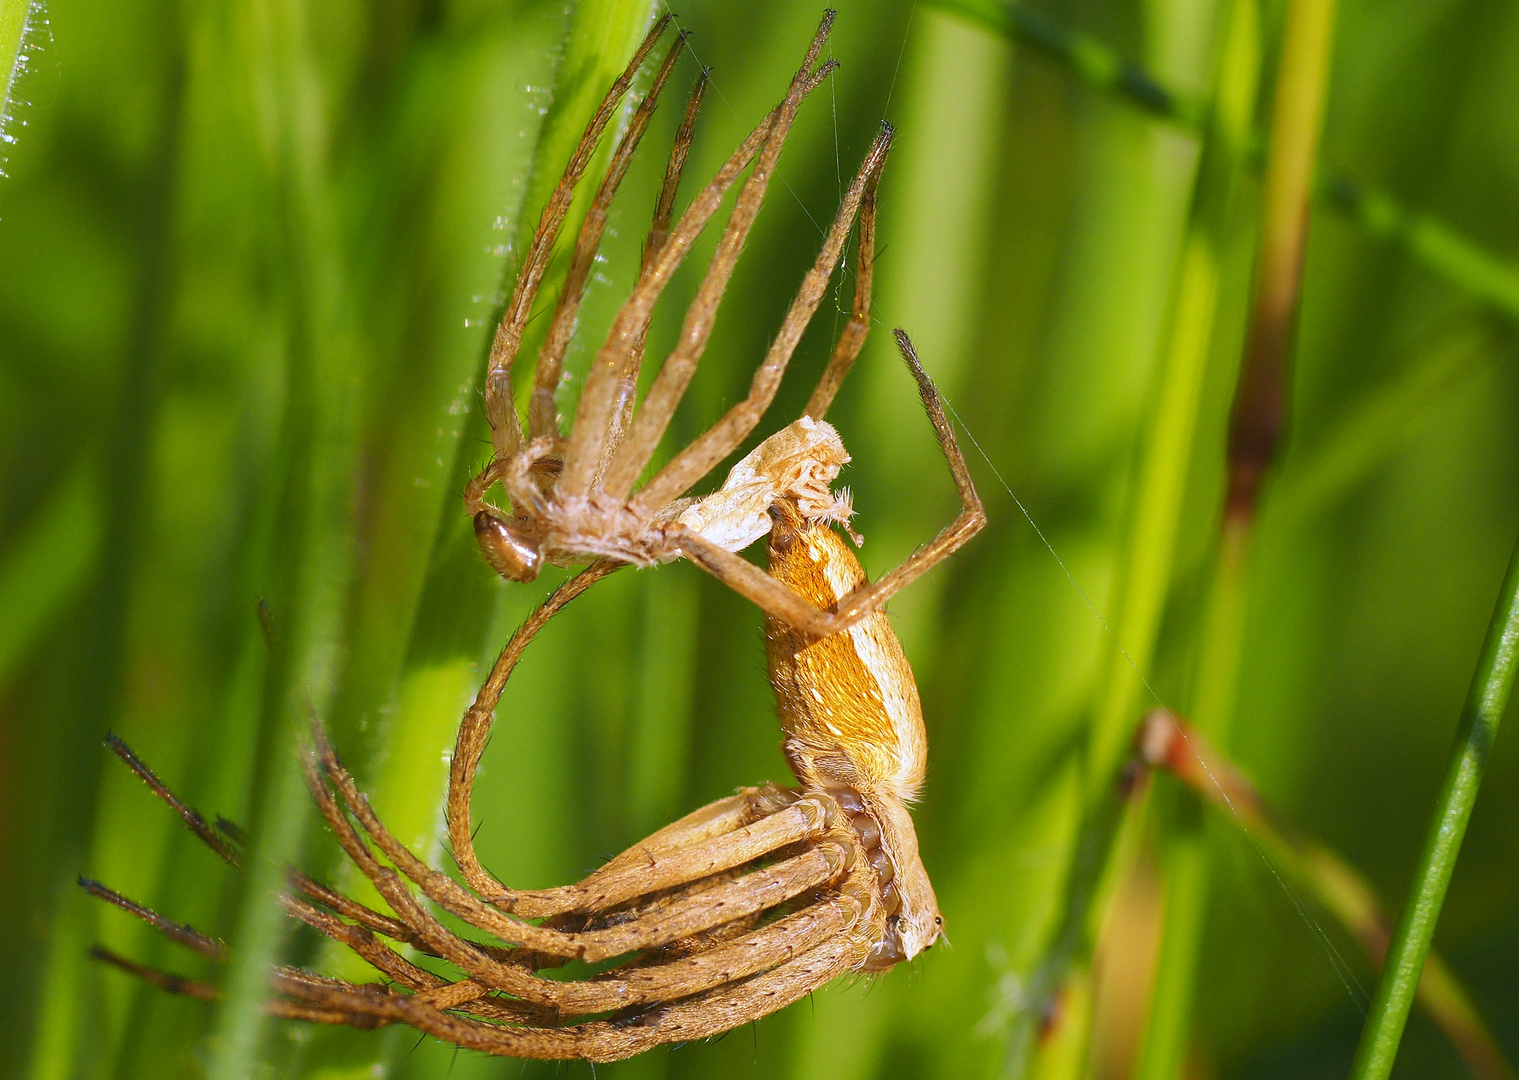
742	906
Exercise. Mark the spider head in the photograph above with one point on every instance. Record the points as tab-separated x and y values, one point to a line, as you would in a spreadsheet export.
509	552
908	932
913	923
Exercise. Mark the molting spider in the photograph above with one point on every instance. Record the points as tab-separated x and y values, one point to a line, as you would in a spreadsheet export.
744	905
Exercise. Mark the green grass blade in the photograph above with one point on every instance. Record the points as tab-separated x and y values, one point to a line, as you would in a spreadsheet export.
1485	702
1464	263
47	566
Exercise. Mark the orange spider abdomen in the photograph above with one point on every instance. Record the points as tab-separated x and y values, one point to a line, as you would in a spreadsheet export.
848	702
854	726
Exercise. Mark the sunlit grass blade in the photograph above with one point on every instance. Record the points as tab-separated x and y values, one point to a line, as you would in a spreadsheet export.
1188	355
422	669
18	19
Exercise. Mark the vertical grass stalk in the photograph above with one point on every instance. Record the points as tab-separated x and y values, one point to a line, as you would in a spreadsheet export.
1485	702
1256	424
314	550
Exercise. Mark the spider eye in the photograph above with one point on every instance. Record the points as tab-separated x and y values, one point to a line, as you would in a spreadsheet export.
507	553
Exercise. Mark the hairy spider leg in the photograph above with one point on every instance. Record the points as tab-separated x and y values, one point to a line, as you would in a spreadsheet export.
332	1001
538	999
219	839
852	338
650	284
818	865
597	405
506	428
475	727
360	938
807	819
702	1016
698	459
714	838
659	236
488	965
777	600
542	418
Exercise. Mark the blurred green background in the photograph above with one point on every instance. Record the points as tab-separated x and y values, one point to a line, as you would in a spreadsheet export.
250	255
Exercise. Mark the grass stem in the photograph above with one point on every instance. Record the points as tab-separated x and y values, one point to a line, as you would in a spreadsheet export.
1485	701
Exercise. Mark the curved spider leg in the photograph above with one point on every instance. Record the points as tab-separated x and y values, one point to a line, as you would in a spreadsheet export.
506	428
804	821
313	991
364	944
714	819
742	956
750	953
448	994
777	600
755	891
287	980
335	902
436	938
659	236
542	417
474	729
594	413
852	338
325	1000
678	978
651	979
827	919
718	441
706	824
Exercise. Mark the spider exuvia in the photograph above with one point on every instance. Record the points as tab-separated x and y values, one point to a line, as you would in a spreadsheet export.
746	904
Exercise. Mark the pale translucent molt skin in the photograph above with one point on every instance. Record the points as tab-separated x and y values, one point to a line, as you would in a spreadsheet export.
854	725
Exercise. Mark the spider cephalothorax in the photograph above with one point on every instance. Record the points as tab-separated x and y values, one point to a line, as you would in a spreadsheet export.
746	904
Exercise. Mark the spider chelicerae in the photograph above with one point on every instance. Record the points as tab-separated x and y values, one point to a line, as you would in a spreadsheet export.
753	901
